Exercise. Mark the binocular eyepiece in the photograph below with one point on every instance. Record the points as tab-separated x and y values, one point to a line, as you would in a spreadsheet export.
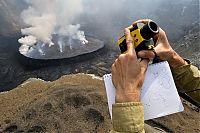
149	30
142	37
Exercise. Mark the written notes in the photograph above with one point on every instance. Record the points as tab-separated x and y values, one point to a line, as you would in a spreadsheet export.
158	95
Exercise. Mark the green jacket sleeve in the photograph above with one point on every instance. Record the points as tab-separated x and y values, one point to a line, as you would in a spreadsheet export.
187	78
128	118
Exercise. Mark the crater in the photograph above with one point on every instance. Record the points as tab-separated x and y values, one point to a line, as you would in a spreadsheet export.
63	47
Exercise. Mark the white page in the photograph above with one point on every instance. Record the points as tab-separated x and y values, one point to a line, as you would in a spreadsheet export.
158	95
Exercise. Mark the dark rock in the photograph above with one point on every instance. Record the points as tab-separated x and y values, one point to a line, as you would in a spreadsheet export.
7	121
37	129
30	114
94	115
11	128
77	100
19	131
61	106
48	106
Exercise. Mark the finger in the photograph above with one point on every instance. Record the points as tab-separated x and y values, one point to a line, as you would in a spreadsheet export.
113	73
149	54
130	27
121	58
116	72
144	21
129	42
160	37
113	68
144	64
116	61
117	64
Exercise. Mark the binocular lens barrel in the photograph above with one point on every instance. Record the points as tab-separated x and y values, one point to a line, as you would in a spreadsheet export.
149	30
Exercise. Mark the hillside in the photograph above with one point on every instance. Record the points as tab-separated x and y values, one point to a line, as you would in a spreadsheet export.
10	16
73	103
189	45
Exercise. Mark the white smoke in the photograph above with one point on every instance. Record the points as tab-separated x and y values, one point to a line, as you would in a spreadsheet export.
47	17
104	19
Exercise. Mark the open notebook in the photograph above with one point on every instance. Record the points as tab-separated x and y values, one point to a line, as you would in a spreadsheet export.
158	95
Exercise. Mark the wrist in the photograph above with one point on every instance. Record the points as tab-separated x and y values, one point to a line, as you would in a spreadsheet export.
175	60
128	97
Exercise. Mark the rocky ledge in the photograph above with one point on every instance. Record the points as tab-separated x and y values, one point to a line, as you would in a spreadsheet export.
73	103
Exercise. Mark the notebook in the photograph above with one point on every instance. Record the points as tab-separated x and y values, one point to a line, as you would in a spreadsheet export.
158	94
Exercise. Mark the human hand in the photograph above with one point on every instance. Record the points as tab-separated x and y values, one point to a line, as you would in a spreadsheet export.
128	73
162	49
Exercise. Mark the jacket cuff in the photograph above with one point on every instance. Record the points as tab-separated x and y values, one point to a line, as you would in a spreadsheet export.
184	75
182	69
128	117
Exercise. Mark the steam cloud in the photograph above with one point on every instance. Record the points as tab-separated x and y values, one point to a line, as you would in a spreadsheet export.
104	19
48	17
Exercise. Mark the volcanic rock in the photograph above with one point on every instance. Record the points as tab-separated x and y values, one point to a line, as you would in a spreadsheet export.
73	103
189	45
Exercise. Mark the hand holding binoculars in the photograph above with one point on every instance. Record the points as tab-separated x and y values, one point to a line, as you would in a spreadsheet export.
142	37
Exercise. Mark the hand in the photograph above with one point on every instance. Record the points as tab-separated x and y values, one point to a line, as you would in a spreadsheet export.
162	49
128	73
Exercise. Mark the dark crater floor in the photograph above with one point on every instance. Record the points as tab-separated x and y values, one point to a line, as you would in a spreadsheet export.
16	68
64	47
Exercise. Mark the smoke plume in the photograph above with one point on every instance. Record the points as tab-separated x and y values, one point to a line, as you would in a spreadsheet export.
47	17
104	19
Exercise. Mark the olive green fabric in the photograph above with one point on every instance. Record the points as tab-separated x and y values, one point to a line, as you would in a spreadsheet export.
187	78
129	117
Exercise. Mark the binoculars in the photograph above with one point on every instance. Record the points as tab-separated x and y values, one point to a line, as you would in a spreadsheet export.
142	37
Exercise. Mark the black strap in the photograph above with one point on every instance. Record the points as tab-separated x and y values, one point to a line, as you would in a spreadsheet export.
189	99
156	59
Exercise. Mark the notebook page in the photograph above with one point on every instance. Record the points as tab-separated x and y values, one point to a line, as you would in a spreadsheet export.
158	95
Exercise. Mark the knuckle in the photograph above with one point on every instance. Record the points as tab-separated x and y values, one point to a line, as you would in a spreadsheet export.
129	40
162	31
121	57
115	62
149	20
130	56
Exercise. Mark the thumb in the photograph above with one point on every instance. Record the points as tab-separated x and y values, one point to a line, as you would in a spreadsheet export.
144	64
161	37
149	54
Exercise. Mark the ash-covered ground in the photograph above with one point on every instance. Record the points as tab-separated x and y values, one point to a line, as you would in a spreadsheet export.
74	104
